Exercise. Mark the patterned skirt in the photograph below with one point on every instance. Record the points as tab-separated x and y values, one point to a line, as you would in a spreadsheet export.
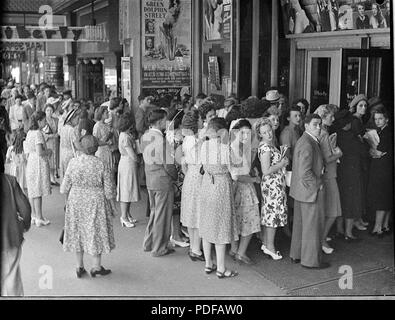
190	197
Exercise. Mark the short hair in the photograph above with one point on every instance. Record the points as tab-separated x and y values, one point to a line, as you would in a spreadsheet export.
310	117
302	100
383	111
114	102
294	107
18	96
48	105
30	95
100	112
201	95
217	124
260	123
241	124
35	118
85	124
156	115
272	111
253	107
126	121
324	110
18	141
205	108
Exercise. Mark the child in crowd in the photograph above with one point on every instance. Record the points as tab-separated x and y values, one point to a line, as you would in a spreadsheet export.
16	158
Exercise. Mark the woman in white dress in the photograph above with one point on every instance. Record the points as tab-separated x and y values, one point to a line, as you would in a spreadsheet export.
191	123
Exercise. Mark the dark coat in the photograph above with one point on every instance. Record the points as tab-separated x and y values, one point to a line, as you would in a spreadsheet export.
14	207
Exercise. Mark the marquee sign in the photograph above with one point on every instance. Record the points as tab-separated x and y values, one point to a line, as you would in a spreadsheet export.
55	34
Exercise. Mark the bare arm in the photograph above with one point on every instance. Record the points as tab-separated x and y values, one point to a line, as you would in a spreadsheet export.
267	169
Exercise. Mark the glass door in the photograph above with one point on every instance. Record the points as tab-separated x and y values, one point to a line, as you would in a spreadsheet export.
369	72
323	75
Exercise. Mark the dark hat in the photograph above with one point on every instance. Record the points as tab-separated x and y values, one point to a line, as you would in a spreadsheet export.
68	92
342	118
18	96
375	102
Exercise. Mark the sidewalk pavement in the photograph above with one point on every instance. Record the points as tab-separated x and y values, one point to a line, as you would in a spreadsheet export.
136	274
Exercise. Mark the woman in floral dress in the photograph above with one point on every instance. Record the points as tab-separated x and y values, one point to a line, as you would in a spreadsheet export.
52	140
104	134
274	199
246	200
217	222
191	123
88	222
37	167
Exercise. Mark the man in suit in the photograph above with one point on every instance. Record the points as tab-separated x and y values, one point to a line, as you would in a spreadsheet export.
307	191
160	173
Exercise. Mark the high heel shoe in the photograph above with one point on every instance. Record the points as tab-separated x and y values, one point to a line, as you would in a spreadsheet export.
244	260
80	272
327	250
102	272
127	224
178	243
132	220
196	257
275	256
41	222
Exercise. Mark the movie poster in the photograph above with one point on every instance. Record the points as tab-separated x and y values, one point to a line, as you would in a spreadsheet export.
304	16
166	43
217	20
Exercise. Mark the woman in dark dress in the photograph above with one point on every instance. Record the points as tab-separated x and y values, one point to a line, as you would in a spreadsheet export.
380	189
349	172
360	106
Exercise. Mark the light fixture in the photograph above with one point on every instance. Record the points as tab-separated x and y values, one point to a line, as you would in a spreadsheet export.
86	61
102	61
41	65
94	61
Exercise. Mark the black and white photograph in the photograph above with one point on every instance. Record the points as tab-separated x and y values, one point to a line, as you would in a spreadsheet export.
186	150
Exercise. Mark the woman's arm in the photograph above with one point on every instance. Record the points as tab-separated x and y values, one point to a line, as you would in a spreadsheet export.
131	152
267	169
247	179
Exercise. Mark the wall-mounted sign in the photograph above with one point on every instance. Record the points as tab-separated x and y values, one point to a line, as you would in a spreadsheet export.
214	72
166	43
304	16
55	34
110	76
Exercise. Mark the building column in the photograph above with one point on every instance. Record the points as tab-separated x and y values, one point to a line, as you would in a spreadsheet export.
196	48
255	48
274	46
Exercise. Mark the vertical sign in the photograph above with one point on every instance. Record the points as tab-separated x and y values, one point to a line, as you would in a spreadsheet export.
166	43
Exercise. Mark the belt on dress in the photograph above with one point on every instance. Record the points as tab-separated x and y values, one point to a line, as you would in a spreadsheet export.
212	175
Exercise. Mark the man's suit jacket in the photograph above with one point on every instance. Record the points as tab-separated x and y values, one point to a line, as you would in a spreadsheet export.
141	118
160	169
307	169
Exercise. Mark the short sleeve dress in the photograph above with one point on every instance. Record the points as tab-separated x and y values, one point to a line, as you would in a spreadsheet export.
88	222
274	199
128	186
37	167
217	218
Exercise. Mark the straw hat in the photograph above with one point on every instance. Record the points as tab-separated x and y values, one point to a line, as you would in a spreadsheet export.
272	96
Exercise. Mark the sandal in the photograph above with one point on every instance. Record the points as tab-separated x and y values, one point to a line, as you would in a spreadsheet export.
209	270
222	275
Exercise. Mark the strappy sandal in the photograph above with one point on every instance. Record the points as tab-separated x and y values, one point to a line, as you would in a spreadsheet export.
209	270
222	275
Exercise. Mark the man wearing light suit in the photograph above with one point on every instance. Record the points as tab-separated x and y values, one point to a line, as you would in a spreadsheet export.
307	190
160	173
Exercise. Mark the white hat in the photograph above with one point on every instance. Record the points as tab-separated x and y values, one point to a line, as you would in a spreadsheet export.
52	100
272	96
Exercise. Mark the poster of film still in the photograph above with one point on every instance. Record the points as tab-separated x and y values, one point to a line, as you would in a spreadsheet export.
166	43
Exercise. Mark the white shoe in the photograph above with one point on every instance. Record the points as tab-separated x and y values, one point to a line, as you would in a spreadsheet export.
40	223
126	224
275	256
263	247
178	243
327	250
328	239
132	220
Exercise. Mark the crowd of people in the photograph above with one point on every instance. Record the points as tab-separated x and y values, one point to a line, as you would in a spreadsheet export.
216	173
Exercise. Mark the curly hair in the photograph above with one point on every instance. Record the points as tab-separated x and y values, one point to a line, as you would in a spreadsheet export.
126	122
35	118
252	107
260	123
205	108
18	141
